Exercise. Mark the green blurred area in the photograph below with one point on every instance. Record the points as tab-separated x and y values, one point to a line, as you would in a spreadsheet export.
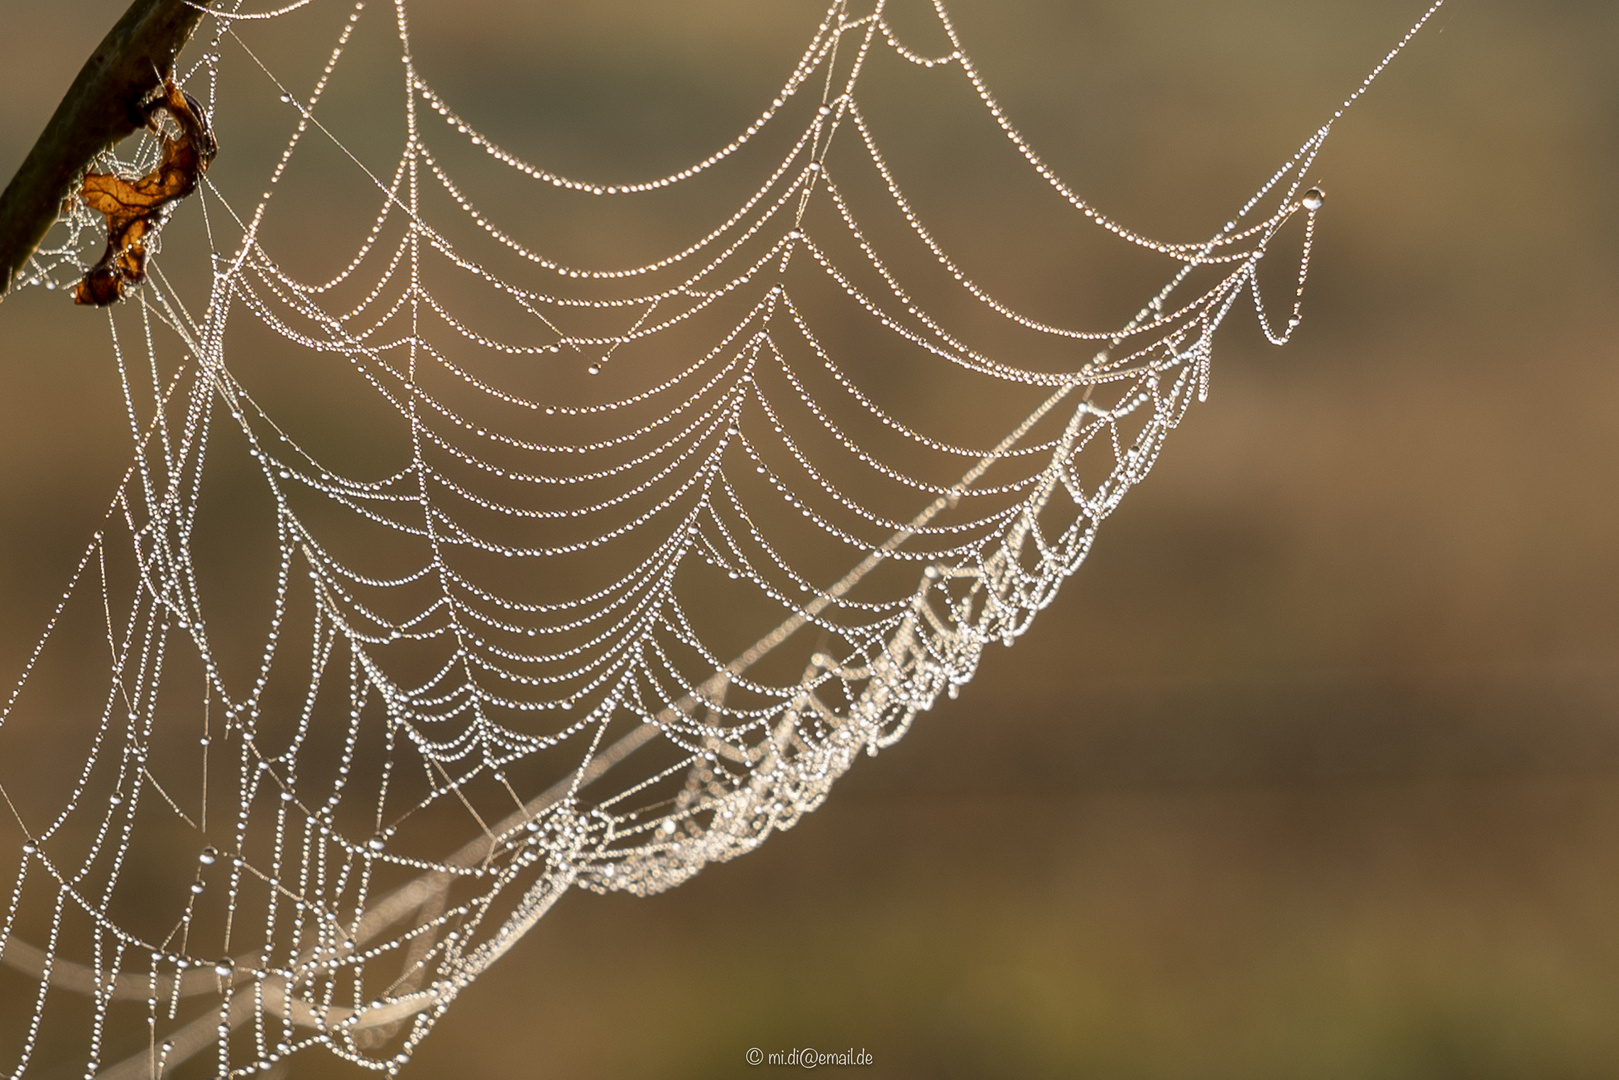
1311	770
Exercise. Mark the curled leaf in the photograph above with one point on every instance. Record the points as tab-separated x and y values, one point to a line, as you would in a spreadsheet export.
136	209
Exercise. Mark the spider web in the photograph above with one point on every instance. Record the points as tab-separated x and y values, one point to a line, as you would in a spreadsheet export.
589	574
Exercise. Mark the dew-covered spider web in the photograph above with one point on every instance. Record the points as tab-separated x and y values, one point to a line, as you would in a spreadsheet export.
451	573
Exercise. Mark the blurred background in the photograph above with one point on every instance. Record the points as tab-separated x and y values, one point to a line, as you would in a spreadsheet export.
1313	769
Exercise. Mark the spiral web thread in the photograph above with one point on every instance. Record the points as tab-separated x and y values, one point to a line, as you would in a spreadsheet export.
529	628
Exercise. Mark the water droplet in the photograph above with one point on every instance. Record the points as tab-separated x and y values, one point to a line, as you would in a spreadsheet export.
208	856
222	969
375	843
594	369
1313	199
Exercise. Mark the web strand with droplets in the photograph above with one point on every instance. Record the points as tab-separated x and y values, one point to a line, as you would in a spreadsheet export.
608	572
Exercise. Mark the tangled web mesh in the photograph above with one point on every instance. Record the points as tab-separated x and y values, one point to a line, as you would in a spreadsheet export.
586	575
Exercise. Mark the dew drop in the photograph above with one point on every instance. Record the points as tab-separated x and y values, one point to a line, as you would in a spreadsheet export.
1313	199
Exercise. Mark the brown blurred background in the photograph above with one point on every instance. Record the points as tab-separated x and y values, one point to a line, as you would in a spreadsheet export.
1313	770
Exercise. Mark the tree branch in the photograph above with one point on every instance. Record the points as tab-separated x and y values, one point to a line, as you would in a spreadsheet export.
101	108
